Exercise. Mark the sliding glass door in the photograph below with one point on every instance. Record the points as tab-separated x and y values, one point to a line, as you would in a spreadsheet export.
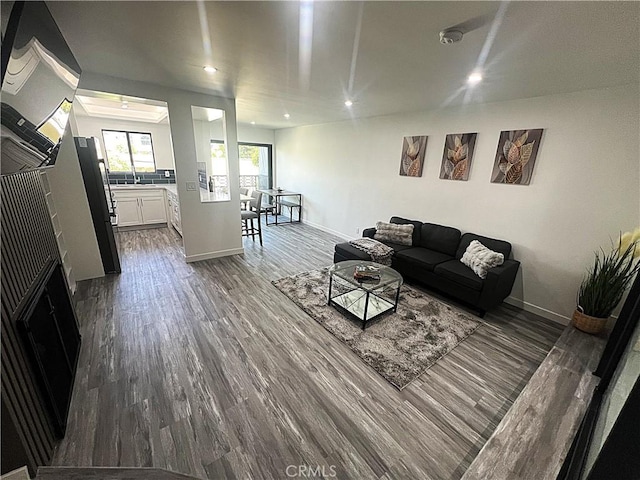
256	165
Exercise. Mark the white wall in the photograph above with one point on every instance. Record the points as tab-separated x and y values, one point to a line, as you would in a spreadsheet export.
253	134
209	229
247	133
72	206
203	142
205	132
160	135
585	187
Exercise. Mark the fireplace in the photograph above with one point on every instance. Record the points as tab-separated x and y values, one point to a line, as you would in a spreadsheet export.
52	341
40	338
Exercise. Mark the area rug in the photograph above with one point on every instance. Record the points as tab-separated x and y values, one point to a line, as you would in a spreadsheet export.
399	346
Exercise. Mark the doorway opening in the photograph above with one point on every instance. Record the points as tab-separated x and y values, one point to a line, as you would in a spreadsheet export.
130	139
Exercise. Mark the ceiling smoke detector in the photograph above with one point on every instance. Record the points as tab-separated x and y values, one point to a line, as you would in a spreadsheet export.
450	36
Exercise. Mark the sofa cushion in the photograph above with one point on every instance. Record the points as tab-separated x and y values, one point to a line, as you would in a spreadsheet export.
480	259
458	272
417	225
499	246
397	247
424	257
440	238
393	232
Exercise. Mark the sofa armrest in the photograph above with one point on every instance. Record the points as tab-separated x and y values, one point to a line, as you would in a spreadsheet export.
498	284
369	232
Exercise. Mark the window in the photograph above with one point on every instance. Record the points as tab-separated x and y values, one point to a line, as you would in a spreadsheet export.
129	151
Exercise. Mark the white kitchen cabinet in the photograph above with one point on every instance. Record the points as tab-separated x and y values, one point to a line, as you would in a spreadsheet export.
153	210
140	207
128	209
174	211
169	208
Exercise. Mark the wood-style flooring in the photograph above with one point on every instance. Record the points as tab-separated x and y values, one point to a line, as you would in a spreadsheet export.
208	370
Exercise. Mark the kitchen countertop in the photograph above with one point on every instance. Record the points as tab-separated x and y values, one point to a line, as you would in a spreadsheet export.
207	196
171	187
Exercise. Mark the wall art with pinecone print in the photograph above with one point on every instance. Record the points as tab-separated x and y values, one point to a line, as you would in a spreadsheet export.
516	156
413	150
456	159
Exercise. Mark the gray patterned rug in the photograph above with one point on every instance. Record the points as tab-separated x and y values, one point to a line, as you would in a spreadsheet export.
399	346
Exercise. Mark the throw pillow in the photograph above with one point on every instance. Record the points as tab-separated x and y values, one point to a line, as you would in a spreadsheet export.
394	233
480	259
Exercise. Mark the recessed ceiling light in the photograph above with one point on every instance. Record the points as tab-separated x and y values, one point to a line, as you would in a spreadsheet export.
474	78
253	123
286	115
210	69
348	103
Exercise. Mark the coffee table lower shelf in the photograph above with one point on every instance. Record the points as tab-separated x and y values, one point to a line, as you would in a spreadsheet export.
364	300
363	305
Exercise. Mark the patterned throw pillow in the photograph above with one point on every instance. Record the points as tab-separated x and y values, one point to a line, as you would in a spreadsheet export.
394	233
480	259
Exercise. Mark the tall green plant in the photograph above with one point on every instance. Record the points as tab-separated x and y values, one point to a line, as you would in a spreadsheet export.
604	285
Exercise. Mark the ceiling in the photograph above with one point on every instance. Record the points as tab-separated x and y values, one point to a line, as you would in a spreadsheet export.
385	56
119	107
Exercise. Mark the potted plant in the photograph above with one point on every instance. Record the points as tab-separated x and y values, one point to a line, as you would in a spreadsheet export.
605	283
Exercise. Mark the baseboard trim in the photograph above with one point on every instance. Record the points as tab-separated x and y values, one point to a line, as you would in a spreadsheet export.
327	230
543	312
210	255
129	228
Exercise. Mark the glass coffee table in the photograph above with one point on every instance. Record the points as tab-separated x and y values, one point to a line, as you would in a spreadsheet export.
364	300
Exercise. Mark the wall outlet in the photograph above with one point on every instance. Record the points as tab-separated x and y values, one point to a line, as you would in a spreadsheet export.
167	174
192	186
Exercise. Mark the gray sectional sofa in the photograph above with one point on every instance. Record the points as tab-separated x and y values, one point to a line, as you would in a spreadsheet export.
433	259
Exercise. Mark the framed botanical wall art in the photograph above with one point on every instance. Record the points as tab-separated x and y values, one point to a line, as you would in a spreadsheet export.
457	155
412	160
516	156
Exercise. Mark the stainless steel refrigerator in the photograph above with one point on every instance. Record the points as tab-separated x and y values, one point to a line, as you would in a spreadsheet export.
101	204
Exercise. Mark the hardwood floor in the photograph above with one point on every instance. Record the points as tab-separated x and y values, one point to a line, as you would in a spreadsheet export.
207	369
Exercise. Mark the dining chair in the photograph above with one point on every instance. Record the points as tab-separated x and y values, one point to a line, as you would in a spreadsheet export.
268	208
243	191
251	214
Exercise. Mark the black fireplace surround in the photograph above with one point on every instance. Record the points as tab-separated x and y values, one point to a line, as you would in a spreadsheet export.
51	338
